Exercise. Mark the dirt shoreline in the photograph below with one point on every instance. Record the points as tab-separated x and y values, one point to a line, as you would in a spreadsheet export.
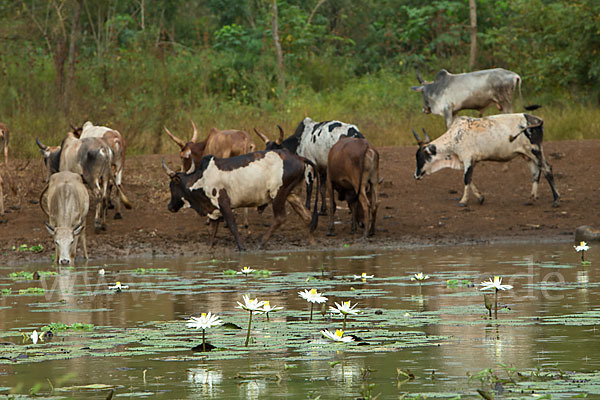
411	214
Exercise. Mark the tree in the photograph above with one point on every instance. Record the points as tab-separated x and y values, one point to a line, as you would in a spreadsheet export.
473	15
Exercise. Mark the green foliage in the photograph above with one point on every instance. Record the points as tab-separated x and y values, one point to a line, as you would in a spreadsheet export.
150	270
32	290
30	275
215	62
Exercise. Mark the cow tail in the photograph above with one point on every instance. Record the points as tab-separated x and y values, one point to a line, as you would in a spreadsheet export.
122	196
360	182
529	107
315	214
42	201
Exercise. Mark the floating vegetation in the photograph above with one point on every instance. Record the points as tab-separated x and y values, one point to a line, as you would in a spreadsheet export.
143	271
56	327
32	291
38	248
31	275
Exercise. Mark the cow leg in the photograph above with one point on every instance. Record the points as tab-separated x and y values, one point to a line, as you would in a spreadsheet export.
299	208
309	193
118	179
353	206
98	213
225	208
332	206
374	199
212	231
366	206
535	175
1	197
279	215
467	180
246	224
323	195
448	116
547	170
84	243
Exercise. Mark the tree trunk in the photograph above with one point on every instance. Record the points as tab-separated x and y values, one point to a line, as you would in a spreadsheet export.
75	29
473	13
275	30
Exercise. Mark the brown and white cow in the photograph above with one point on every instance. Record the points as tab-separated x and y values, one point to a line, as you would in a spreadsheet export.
221	144
219	185
118	145
67	205
353	171
496	138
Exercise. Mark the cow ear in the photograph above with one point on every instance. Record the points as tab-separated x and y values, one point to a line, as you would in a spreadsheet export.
176	179
78	228
417	88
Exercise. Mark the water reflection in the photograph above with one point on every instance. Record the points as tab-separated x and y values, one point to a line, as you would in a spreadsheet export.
205	382
547	280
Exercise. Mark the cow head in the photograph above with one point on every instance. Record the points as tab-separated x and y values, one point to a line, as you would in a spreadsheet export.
51	158
430	91
181	196
64	240
188	148
425	153
270	145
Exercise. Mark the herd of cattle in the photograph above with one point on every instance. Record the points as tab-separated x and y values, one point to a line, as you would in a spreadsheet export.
224	172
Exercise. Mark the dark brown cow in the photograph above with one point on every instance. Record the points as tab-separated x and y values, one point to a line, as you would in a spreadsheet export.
219	185
353	171
221	144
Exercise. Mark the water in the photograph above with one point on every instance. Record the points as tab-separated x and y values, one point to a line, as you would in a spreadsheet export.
439	332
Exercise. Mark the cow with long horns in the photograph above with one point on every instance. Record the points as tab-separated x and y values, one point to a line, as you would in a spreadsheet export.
495	138
219	185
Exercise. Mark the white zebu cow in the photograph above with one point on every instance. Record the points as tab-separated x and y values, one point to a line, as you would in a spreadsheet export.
118	146
313	140
67	205
495	138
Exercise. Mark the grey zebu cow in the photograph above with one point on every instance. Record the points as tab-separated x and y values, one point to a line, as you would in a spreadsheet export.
67	205
118	146
219	185
4	141
313	140
353	171
495	138
450	93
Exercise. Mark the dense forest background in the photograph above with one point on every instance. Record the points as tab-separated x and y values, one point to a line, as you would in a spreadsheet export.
140	65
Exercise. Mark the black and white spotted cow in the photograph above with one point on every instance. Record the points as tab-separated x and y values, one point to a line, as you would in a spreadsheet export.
219	185
496	138
313	140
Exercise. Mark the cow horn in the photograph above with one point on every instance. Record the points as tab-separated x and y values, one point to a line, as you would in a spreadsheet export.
416	135
192	168
195	135
41	145
280	134
421	81
427	140
260	135
168	170
179	142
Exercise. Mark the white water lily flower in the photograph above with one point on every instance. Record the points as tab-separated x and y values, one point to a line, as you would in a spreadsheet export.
101	271
338	336
246	271
345	308
363	276
313	296
582	247
118	287
204	322
495	283
34	337
251	305
267	307
419	277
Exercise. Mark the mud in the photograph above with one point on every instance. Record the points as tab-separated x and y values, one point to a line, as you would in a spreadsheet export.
411	213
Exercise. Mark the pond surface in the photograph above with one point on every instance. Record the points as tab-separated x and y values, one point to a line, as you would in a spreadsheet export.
413	341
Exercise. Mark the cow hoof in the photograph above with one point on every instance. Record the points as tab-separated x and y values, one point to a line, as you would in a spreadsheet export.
528	203
118	216
556	204
323	212
111	206
462	204
330	233
481	200
103	227
97	229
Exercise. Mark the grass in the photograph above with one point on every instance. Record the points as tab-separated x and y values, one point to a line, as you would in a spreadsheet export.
381	105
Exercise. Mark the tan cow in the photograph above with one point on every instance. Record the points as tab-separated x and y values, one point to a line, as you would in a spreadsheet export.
67	205
4	140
